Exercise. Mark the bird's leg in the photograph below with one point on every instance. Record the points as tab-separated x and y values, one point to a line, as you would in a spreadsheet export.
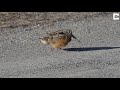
61	49
51	48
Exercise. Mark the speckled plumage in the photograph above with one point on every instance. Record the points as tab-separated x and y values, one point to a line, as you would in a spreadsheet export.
58	39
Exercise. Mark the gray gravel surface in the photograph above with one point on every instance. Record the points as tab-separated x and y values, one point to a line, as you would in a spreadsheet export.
98	56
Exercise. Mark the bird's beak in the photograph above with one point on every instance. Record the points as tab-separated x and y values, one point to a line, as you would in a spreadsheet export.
76	38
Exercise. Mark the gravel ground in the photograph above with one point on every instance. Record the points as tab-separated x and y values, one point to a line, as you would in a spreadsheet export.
98	56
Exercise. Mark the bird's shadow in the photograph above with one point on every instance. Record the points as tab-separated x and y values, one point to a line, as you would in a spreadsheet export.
89	48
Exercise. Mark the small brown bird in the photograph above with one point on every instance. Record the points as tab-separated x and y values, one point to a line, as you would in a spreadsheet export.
58	39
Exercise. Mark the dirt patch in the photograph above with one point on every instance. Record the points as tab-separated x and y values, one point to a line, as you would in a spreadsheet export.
14	19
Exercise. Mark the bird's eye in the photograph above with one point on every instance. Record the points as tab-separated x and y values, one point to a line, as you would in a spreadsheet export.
69	31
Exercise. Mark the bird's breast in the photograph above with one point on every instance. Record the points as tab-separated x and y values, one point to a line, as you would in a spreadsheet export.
60	42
